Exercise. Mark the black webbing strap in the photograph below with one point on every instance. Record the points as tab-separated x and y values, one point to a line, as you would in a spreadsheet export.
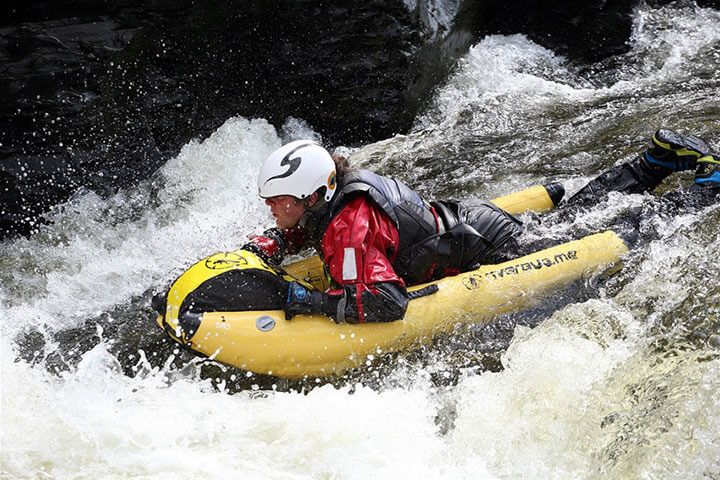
423	292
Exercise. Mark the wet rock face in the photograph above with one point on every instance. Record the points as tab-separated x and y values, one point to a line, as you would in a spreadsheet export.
101	98
52	73
100	94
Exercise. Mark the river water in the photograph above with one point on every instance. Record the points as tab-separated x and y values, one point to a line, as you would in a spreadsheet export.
618	379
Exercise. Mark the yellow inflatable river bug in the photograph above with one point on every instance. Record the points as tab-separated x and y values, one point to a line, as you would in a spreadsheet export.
262	341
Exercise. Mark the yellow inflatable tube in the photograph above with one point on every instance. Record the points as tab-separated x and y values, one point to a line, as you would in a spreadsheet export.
264	342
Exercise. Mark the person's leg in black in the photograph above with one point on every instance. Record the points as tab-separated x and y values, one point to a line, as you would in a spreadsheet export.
669	152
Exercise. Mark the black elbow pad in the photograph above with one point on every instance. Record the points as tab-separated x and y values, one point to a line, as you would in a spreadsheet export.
388	304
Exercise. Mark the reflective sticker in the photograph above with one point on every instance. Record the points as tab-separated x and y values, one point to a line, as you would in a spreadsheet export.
349	269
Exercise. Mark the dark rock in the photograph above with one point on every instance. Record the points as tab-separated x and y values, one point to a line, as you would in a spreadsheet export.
50	78
118	89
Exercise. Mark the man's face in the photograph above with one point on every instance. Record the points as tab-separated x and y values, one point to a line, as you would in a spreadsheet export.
286	209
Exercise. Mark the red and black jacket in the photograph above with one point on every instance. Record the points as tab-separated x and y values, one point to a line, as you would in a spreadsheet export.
363	235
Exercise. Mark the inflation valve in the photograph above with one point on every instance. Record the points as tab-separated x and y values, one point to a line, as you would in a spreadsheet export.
265	323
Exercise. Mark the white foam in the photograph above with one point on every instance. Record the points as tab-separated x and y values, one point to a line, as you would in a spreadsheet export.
98	423
526	421
208	202
665	41
499	76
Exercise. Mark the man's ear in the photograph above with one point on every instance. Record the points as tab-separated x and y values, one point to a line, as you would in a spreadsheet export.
312	199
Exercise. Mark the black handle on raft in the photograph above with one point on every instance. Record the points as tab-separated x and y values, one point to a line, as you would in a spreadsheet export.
423	292
556	192
159	303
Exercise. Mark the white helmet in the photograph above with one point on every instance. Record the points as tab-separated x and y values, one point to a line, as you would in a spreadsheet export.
298	169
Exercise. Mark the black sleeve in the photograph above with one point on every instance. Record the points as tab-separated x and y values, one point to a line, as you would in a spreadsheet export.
382	302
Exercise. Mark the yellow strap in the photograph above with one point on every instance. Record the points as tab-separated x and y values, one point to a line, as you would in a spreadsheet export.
709	159
683	152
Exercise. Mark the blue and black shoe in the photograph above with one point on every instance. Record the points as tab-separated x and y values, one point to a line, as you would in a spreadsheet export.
673	152
708	171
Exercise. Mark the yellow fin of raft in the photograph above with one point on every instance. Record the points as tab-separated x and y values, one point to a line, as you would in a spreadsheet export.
313	345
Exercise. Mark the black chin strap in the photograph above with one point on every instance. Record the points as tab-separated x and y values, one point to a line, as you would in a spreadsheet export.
317	210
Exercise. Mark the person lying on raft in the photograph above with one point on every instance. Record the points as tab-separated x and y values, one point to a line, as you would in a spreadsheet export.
376	235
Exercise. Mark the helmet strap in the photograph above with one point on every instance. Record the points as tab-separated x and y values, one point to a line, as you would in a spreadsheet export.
314	209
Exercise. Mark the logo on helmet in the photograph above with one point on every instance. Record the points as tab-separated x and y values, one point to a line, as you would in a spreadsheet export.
332	180
293	163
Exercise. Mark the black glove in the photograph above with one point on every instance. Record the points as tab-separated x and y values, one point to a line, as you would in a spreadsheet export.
301	300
